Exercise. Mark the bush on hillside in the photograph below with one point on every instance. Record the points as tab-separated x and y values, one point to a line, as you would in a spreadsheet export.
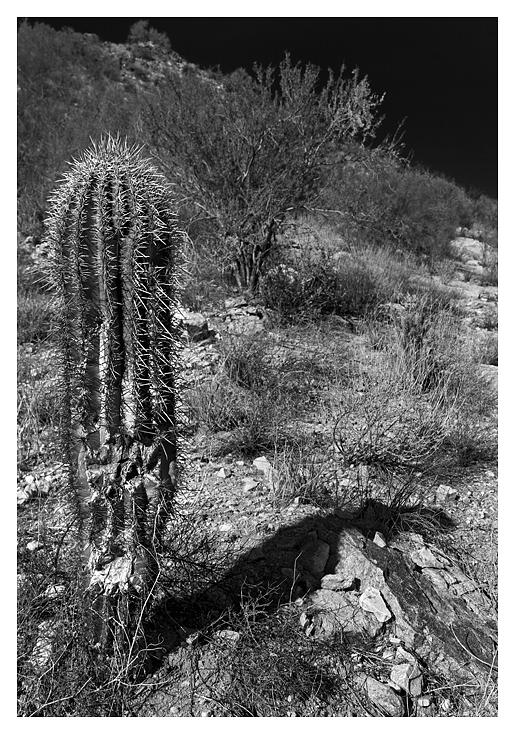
385	202
68	92
142	32
248	151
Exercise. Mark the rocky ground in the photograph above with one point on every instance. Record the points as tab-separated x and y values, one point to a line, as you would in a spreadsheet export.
399	619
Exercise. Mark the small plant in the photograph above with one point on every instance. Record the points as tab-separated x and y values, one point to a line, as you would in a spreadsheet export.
348	283
114	247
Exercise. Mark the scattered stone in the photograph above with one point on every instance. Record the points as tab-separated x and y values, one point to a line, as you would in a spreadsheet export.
271	475
423	558
23	496
372	601
306	624
197	326
245	319
444	494
424	702
193	638
42	651
334	613
408	677
34	546
249	484
384	697
53	591
467	248
337	583
223	473
235	303
379	540
228	636
406	655
225	528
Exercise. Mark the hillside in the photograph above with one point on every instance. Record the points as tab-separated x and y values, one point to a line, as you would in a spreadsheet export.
333	547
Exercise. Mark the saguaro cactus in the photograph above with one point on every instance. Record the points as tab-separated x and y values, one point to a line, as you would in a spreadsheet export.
114	246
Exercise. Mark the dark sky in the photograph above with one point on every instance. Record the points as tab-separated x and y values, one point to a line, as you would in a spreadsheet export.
440	74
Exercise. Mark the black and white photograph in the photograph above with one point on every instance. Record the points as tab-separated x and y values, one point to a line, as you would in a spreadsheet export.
257	366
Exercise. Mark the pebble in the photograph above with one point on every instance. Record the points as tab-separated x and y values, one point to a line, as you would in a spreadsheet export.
424	701
34	545
249	484
379	540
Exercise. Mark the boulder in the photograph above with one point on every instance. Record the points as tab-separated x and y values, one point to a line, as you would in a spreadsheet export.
445	629
467	248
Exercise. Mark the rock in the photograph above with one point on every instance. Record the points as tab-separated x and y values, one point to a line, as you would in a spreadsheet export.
408	677
490	374
372	601
23	496
42	651
249	484
424	702
197	326
423	558
337	583
314	556
223	472
34	546
271	475
244	319
53	591
443	630
235	303
334	613
225	528
444	494
379	540
384	697
228	636
406	655
467	248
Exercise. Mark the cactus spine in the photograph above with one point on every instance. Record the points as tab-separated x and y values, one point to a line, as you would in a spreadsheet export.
114	246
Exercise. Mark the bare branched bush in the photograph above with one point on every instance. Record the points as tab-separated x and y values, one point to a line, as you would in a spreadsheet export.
247	151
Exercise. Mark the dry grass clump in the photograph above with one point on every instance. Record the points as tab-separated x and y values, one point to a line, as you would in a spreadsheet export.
420	397
261	387
37	410
349	282
273	670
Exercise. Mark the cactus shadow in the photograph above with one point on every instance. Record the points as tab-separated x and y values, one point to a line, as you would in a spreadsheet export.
278	570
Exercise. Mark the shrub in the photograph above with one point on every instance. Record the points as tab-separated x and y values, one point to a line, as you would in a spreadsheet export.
247	151
67	94
386	202
347	283
142	32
